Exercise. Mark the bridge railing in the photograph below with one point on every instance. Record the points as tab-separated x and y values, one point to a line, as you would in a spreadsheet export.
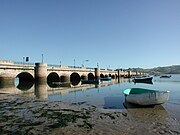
24	63
53	65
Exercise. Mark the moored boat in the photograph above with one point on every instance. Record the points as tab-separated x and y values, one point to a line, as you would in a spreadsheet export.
90	81
143	79
165	76
145	97
106	79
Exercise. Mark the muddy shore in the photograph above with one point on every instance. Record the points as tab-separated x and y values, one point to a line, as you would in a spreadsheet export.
24	115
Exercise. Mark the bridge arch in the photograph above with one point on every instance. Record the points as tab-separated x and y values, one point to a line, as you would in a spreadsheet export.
75	78
113	76
106	76
91	76
25	77
25	81
53	77
101	76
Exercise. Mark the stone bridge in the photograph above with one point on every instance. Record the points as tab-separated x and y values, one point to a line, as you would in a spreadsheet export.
43	72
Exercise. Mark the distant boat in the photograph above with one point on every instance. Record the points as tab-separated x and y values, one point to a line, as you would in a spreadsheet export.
106	79
145	97
90	81
145	82
143	79
165	76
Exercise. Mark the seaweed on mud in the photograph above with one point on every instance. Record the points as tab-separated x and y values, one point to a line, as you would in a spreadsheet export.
86	125
79	103
18	121
109	115
62	117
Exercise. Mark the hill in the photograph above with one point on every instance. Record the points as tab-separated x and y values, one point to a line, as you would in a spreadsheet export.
175	69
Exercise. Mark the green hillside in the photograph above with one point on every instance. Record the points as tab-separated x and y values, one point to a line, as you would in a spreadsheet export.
175	69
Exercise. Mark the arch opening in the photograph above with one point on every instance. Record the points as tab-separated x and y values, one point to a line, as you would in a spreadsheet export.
90	76
113	77
101	76
24	81
52	79
75	79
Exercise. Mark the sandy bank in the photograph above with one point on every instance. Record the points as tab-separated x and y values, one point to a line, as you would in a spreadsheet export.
23	115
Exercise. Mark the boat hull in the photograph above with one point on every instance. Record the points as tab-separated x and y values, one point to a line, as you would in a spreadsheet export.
145	80
165	76
106	79
90	81
148	98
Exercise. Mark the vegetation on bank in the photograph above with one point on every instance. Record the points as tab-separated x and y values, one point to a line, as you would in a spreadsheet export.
175	69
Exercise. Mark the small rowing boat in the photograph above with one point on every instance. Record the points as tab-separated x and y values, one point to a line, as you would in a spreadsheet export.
142	96
142	79
165	76
90	81
106	79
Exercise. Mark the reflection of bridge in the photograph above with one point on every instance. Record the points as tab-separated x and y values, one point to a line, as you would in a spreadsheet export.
42	91
28	73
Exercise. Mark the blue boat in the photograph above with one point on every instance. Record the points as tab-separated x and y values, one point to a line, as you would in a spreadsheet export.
165	76
145	79
106	79
90	81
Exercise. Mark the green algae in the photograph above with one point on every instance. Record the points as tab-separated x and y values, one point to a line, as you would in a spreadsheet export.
34	117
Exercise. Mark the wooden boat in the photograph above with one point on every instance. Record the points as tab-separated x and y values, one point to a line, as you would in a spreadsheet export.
143	79
106	79
146	97
90	81
165	76
145	82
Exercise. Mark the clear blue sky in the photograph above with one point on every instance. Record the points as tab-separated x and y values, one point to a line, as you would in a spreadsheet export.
119	33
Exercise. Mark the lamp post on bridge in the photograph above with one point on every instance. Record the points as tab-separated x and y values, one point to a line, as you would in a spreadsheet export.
97	65
42	58
83	62
74	63
23	60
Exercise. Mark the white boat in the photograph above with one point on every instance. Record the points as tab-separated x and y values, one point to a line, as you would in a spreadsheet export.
146	97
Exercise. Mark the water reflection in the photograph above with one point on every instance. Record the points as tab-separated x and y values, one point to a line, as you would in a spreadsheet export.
105	95
150	114
41	91
150	82
113	102
7	88
25	85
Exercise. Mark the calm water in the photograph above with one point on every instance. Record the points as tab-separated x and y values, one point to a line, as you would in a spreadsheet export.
111	96
108	96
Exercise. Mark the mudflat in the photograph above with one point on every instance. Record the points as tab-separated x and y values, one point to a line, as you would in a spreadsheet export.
25	115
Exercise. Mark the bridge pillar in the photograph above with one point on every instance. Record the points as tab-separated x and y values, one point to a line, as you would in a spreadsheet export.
7	79
7	82
97	73
129	74
40	72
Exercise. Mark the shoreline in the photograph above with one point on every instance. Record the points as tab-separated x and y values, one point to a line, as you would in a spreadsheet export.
24	115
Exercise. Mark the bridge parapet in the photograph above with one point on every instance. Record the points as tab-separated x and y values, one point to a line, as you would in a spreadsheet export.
25	71
6	62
